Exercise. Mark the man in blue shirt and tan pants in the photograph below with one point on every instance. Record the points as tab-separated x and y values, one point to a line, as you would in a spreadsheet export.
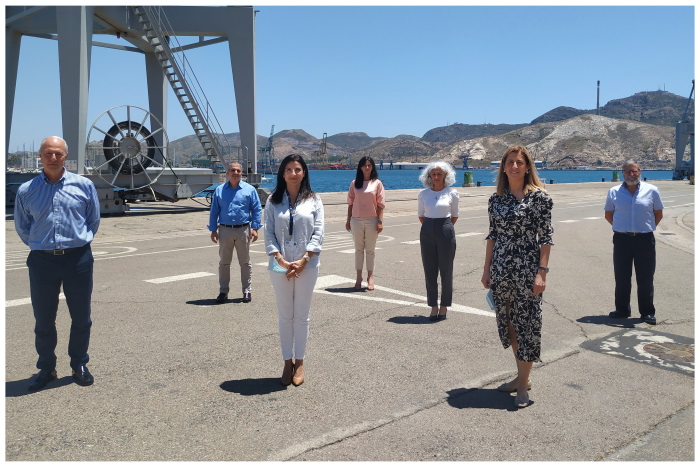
634	209
234	220
57	215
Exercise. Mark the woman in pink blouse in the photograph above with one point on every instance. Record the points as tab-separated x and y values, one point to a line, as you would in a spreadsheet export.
365	212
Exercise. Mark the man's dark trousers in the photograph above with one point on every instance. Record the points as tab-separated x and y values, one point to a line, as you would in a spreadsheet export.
46	274
640	250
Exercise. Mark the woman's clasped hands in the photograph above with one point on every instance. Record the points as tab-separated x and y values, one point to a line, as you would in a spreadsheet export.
293	268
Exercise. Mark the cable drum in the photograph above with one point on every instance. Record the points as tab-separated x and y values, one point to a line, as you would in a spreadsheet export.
123	151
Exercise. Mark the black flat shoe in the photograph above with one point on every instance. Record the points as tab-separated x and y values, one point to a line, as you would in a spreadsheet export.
619	314
82	376
43	378
246	297
433	317
649	319
221	298
442	317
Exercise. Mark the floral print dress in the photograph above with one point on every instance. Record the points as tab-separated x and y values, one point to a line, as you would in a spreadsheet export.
519	229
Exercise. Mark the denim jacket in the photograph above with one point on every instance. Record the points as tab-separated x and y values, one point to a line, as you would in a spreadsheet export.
307	231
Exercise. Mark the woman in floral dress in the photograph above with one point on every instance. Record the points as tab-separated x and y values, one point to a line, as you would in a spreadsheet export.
517	254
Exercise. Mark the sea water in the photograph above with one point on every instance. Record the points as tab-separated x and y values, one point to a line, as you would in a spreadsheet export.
325	181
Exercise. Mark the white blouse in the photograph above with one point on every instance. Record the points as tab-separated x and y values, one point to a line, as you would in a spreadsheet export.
438	204
307	231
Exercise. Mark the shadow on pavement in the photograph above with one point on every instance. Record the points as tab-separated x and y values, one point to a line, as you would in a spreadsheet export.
345	290
415	319
253	386
212	301
612	322
19	388
480	399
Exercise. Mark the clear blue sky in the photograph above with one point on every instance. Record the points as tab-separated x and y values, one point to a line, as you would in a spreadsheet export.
397	70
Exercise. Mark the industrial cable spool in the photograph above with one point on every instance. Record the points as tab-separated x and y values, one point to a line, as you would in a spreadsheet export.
127	154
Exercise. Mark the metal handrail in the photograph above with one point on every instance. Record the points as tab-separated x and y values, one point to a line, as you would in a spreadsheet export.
182	66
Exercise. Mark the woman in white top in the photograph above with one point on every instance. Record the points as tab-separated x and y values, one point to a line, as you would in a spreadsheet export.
293	239
438	210
365	209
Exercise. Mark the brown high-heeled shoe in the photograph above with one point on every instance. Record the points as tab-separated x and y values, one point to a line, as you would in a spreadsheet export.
287	373
298	378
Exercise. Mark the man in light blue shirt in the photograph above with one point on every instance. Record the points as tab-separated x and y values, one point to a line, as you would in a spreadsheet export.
634	209
57	215
234	220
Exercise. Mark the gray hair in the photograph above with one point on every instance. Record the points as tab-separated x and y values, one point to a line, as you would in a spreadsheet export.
43	141
630	162
450	177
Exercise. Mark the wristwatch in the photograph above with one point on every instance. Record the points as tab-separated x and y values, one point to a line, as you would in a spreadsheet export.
379	220
543	268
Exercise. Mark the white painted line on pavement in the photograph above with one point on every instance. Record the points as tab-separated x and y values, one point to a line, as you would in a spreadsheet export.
412	242
332	280
593	218
569	221
181	277
26	301
469	234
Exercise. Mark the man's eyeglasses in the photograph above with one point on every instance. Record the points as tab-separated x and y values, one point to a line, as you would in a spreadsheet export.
631	171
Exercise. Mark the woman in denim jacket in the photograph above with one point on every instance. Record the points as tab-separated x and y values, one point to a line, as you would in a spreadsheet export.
293	239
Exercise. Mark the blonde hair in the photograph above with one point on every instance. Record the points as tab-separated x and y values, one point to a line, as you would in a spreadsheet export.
532	180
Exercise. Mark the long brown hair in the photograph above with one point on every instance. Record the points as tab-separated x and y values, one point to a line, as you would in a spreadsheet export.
532	180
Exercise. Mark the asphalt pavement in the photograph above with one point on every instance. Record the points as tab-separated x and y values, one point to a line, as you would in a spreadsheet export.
180	378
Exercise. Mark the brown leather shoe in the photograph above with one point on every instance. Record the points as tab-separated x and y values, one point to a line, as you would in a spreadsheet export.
298	378
287	373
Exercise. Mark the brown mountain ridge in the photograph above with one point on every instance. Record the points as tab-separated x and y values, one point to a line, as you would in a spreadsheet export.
640	127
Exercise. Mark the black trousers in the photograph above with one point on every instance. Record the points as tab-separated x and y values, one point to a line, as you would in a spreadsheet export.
47	273
437	247
640	251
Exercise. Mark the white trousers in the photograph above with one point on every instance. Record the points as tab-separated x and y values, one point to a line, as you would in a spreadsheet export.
364	233
293	307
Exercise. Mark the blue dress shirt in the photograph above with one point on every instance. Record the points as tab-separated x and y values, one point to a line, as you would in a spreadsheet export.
634	212
235	206
65	214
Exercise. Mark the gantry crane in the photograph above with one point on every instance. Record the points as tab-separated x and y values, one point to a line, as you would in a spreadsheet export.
322	155
267	154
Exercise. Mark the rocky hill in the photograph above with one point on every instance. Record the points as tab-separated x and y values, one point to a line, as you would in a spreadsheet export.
586	140
350	142
641	127
559	114
461	131
655	107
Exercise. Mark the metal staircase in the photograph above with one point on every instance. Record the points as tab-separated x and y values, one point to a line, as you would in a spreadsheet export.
176	68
